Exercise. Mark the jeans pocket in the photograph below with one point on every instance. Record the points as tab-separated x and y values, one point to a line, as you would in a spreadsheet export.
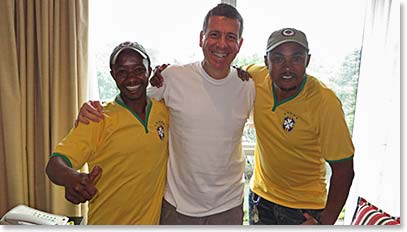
315	213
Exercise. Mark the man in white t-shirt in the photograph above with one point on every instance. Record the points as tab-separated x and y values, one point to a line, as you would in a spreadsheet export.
208	106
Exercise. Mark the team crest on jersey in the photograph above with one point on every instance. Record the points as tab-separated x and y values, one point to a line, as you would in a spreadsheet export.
160	128
289	121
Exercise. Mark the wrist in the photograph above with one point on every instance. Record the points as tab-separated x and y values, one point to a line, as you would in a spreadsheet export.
318	219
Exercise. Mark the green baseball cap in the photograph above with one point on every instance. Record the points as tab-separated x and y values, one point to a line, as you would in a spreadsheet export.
128	45
286	35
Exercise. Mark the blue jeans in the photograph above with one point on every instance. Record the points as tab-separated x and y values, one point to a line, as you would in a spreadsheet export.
263	212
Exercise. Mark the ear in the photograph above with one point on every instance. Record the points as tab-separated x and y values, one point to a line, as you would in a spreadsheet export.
266	62
201	35
240	43
149	72
308	59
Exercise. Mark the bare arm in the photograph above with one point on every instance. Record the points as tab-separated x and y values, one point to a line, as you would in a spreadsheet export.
340	183
79	187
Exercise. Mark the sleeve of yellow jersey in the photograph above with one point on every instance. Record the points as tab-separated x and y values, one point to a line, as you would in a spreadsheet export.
257	72
80	144
336	142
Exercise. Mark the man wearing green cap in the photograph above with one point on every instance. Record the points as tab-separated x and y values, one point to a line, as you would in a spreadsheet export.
299	125
131	187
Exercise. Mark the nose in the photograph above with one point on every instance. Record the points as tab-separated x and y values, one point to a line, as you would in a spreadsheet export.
221	42
287	66
132	75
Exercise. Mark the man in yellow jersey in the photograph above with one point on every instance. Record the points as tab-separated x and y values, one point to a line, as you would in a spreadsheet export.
299	125
130	145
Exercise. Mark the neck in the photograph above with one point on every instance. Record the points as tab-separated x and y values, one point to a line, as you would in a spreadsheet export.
284	94
138	106
216	74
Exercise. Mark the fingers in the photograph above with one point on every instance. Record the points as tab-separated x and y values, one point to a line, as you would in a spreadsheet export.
78	194
81	187
81	118
157	79
154	81
164	66
89	113
309	219
243	75
98	106
95	108
92	179
95	174
73	197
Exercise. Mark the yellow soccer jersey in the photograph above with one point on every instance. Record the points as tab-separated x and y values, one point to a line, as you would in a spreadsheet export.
294	138
133	156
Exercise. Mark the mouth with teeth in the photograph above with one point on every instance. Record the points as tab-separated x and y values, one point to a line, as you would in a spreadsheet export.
133	88
288	76
219	54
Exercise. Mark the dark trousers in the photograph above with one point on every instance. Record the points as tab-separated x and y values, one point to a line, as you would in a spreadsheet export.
264	212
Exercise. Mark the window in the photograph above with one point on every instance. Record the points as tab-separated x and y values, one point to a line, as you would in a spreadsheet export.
169	30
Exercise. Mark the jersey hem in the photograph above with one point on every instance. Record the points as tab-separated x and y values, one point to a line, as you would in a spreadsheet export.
311	206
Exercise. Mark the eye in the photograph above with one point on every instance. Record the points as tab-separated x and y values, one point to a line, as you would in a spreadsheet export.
231	37
277	59
298	59
122	73
140	70
213	34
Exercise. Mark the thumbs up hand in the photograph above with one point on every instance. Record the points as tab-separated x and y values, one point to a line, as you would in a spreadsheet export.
80	187
95	174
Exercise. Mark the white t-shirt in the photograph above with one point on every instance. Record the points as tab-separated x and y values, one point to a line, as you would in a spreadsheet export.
207	116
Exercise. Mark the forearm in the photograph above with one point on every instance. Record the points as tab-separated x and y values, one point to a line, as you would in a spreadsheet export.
340	184
58	171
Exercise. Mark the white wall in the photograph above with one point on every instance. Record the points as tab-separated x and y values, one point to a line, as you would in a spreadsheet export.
376	134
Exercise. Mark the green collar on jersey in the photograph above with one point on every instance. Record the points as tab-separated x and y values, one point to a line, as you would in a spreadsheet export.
276	103
148	110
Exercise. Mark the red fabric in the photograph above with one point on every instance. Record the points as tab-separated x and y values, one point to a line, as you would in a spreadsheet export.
368	214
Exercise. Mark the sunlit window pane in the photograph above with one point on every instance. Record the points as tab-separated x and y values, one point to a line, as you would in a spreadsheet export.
169	30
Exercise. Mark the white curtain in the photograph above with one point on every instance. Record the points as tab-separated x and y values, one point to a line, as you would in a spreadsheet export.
376	133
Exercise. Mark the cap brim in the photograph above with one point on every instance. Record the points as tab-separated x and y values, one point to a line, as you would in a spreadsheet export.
286	41
132	48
